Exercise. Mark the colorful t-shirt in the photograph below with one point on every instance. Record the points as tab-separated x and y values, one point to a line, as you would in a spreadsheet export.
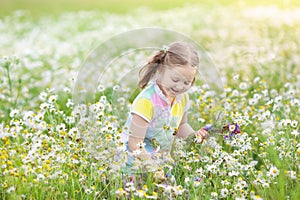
153	106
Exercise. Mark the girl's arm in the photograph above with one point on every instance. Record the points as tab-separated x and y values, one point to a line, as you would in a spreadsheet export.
137	134
185	130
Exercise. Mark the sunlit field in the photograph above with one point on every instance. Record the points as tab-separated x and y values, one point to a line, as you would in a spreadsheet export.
53	148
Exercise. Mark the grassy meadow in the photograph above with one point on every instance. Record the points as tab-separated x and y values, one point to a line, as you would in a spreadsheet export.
52	147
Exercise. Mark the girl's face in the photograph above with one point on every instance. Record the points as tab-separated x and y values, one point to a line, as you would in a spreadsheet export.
176	80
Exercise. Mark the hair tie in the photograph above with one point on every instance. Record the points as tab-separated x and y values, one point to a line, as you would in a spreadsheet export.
165	49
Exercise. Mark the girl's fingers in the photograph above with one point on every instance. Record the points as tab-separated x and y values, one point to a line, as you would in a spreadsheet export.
203	133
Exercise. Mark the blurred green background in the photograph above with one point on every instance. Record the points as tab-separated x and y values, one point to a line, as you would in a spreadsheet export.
55	7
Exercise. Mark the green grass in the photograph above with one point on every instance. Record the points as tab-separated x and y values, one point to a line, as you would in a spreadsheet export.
41	149
55	7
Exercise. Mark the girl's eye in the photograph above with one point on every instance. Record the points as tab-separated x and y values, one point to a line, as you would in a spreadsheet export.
187	83
175	80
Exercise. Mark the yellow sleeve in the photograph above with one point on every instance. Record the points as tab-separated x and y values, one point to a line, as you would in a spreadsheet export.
186	102
144	108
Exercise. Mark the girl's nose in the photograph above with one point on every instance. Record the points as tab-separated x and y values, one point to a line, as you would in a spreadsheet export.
179	86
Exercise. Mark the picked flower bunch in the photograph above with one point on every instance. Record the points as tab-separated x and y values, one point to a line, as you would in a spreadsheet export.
227	131
220	127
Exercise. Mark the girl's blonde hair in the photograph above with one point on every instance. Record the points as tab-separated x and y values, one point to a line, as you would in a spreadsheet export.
177	53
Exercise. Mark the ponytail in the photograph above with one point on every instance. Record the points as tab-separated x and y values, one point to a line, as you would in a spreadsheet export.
148	71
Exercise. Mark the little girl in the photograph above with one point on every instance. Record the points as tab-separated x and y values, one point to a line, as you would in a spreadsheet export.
159	112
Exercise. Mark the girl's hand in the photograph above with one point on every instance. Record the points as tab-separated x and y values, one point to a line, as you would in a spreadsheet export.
144	155
201	135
